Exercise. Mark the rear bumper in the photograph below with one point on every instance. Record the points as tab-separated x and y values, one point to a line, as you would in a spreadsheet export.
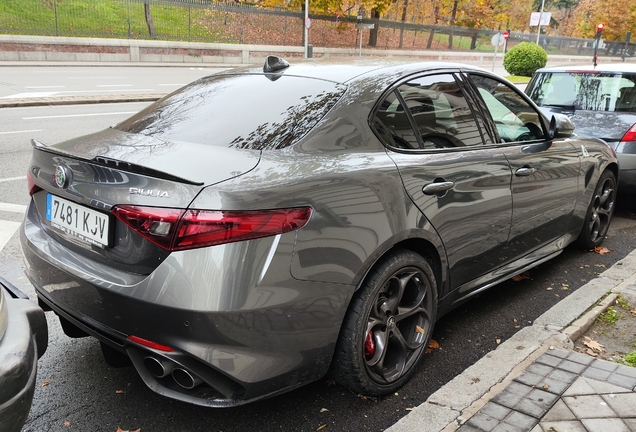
25	340
244	333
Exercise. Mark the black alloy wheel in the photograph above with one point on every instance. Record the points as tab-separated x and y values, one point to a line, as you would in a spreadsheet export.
599	213
388	326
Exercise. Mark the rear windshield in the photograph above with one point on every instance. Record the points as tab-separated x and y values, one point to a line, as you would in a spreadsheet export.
240	111
585	90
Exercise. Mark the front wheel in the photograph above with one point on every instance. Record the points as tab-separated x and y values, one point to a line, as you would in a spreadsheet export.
388	325
599	213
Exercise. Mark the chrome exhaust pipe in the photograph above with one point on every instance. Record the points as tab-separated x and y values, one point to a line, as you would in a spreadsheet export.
185	379
158	368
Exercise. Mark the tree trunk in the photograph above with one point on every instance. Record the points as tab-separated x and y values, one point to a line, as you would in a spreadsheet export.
431	34
473	41
406	5
452	24
373	35
151	25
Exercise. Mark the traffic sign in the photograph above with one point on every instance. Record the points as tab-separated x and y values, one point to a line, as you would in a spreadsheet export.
506	35
308	22
497	40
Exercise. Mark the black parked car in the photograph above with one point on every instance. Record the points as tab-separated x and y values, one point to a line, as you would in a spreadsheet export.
23	339
257	228
600	101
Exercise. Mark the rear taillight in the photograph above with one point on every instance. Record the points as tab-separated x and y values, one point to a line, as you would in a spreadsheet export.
175	229
630	135
31	186
153	223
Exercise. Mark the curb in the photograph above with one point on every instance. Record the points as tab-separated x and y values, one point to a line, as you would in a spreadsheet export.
453	404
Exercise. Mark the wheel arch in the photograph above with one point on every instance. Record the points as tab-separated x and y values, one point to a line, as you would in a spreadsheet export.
427	250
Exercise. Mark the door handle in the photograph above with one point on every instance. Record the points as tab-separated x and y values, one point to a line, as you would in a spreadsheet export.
438	188
525	171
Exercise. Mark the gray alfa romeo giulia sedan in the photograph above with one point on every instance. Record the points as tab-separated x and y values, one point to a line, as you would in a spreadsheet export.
260	228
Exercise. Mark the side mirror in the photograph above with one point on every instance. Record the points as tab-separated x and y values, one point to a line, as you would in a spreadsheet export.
561	126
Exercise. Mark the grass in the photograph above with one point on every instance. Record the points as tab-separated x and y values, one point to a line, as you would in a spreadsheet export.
104	19
610	316
630	359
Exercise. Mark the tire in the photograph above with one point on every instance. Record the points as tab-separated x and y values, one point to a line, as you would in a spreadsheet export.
599	212
388	326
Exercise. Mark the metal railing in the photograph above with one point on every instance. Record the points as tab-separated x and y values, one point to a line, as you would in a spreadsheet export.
235	22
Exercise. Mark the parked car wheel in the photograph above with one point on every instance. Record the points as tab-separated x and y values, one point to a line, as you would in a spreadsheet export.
599	213
388	326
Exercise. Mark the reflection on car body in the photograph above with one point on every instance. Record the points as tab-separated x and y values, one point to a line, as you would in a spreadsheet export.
317	218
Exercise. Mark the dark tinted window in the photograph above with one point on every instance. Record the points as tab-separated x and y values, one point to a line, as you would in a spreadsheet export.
439	116
393	125
515	118
243	111
441	113
594	91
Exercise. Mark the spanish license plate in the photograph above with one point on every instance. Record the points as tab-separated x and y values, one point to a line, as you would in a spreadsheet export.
77	220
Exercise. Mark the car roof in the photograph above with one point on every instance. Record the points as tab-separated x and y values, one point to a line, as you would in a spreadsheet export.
607	67
345	71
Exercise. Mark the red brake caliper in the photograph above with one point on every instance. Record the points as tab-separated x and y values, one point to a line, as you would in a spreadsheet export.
369	346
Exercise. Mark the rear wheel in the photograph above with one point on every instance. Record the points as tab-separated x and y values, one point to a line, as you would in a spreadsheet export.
388	325
599	213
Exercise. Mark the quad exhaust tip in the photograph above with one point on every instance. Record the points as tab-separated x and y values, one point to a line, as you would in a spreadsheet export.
185	379
161	368
158	368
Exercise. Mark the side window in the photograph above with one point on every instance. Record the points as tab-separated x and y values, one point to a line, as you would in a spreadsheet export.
427	113
393	124
440	111
515	119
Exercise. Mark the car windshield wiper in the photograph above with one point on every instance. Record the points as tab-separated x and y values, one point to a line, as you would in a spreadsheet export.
569	106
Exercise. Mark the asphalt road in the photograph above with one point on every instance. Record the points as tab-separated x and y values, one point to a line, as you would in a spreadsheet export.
77	391
45	81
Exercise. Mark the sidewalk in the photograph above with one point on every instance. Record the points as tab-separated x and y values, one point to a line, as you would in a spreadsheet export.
535	382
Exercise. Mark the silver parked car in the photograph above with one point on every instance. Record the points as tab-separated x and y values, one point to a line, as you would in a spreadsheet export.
23	340
600	101
259	228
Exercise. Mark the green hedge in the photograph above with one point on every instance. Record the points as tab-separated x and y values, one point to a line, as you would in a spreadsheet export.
525	58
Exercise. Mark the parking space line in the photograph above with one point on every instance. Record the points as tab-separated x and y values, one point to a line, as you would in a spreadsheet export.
22	131
15	208
8	179
7	229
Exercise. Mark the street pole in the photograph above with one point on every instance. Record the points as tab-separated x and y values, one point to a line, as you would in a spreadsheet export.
306	29
540	17
629	35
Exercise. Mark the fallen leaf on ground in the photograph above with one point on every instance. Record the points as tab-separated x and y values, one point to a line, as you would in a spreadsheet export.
45	383
67	424
433	344
323	410
592	344
601	250
121	430
119	392
498	341
520	277
321	427
409	409
331	382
